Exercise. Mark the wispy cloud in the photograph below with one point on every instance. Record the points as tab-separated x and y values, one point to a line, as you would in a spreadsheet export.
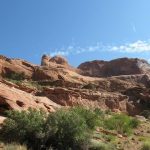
74	49
133	27
63	53
133	47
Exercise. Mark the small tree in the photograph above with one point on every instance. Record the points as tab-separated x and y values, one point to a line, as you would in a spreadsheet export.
67	129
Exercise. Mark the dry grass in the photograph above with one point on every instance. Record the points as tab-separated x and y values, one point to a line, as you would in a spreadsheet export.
14	146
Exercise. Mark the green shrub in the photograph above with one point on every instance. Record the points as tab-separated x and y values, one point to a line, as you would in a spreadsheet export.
64	129
25	127
146	146
146	114
92	117
16	76
121	123
108	112
71	128
99	112
100	117
134	123
90	86
109	138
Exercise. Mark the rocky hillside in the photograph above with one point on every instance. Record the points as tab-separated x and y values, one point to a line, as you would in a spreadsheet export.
119	85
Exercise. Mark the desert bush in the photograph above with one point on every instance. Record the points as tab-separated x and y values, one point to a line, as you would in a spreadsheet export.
146	146
101	116
108	112
90	86
99	112
91	117
146	114
25	127
16	76
121	123
134	123
71	128
109	138
64	129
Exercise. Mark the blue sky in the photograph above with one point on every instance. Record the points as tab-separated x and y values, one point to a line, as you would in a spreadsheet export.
79	29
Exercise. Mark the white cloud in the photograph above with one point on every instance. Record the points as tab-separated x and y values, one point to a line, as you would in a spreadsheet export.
73	49
63	53
133	47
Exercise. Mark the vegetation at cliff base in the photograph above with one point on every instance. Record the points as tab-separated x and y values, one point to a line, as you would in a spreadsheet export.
122	123
66	129
16	76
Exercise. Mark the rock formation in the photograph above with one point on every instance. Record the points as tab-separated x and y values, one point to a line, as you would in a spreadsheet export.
119	85
59	60
122	66
13	98
47	60
9	66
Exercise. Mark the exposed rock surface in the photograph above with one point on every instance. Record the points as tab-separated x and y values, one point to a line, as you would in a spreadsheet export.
55	83
122	66
8	66
12	98
59	60
2	119
47	60
88	98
